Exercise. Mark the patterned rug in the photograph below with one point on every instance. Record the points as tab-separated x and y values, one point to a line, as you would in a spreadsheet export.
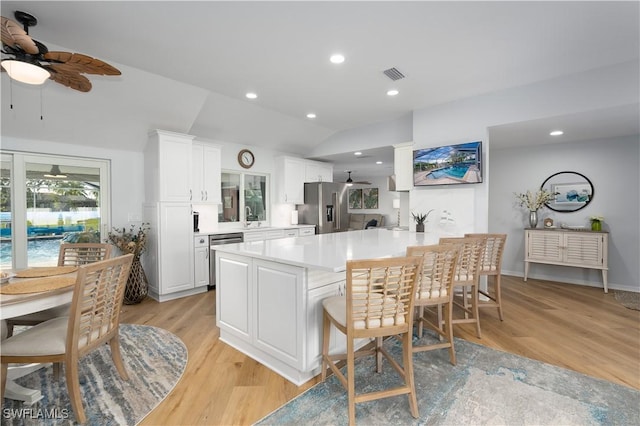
628	299
486	387
155	360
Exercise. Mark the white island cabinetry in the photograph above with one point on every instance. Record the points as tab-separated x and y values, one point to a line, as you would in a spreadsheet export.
269	293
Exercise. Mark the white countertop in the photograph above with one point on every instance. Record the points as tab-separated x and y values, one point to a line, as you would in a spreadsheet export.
252	228
331	251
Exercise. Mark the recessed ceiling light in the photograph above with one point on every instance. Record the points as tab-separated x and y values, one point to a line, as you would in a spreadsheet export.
311	115
251	95
556	133
392	92
378	162
337	58
357	153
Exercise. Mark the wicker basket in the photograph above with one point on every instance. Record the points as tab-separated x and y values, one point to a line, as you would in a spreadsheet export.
137	285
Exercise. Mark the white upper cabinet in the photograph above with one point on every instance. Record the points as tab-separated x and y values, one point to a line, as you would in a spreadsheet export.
291	176
293	172
315	171
206	173
168	165
403	166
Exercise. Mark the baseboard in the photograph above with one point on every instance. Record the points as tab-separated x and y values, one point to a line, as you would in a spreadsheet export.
612	286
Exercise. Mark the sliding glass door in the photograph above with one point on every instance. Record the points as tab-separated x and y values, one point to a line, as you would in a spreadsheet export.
55	200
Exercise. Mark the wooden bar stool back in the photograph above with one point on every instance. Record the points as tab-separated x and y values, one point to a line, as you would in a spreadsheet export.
466	279
435	293
379	302
491	266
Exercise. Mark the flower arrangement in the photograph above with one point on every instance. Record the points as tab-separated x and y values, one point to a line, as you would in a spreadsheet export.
421	218
596	222
130	241
537	200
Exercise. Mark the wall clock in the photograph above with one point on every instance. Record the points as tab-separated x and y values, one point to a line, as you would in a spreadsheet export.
246	158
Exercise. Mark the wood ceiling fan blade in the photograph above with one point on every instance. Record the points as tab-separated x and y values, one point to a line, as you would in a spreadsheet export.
69	78
82	63
13	35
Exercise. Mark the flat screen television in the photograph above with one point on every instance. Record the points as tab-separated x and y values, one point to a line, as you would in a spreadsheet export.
448	165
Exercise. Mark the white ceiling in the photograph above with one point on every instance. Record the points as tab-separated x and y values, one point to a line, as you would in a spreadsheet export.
187	65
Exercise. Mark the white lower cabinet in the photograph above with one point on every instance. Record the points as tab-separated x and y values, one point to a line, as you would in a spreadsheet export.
168	261
278	307
273	313
233	302
201	261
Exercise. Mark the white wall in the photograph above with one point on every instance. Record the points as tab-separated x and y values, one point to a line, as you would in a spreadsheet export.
468	120
127	172
611	165
265	163
385	200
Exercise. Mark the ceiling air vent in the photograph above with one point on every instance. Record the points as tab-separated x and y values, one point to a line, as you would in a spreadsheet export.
393	74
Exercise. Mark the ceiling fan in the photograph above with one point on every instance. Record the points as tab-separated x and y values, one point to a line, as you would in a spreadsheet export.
350	181
29	61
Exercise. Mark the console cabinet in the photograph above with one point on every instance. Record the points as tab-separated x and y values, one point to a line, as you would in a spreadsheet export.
580	249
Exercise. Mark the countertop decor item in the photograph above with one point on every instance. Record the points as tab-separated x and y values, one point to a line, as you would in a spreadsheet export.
596	223
534	201
132	241
420	219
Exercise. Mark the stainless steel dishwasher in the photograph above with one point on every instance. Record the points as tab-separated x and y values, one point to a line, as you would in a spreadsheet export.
216	240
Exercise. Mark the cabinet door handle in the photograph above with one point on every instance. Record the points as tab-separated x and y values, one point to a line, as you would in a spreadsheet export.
190	195
206	195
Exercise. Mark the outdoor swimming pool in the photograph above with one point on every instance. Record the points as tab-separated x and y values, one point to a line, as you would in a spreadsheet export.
40	252
457	171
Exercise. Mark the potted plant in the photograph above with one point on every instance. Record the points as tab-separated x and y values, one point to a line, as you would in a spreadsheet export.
420	219
596	223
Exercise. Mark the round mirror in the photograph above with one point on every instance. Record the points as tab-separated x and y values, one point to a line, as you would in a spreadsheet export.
573	191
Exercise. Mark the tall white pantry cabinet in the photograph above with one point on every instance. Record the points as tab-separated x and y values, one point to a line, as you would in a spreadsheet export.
170	190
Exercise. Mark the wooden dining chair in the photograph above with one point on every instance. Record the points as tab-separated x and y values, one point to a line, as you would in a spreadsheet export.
434	295
491	266
93	320
379	302
70	254
466	279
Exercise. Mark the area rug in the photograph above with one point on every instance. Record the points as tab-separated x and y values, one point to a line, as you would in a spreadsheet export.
628	299
154	358
487	387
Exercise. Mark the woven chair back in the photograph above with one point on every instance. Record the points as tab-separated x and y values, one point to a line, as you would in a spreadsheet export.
469	259
381	292
435	283
493	250
97	298
76	254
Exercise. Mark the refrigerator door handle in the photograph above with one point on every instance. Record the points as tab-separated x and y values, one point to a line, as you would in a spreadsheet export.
336	217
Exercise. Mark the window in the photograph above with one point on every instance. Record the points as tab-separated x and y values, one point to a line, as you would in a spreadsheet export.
252	206
47	200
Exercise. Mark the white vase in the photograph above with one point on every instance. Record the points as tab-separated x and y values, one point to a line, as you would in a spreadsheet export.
533	219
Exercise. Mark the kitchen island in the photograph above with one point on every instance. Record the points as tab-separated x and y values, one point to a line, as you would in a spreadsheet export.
269	293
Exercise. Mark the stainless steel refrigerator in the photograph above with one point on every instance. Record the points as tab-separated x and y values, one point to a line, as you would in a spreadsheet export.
325	205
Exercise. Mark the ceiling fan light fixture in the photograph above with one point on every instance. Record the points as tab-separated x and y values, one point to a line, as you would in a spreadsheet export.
25	72
55	173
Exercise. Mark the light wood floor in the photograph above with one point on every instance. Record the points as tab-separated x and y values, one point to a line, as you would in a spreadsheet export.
574	327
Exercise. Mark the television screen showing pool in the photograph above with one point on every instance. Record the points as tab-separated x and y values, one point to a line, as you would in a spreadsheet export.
448	165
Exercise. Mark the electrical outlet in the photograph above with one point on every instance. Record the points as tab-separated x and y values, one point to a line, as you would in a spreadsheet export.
134	217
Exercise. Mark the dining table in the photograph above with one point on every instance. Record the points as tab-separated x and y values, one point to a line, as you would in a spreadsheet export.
26	291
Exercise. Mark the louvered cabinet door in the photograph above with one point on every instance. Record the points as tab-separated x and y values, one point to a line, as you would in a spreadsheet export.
568	248
544	246
584	249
